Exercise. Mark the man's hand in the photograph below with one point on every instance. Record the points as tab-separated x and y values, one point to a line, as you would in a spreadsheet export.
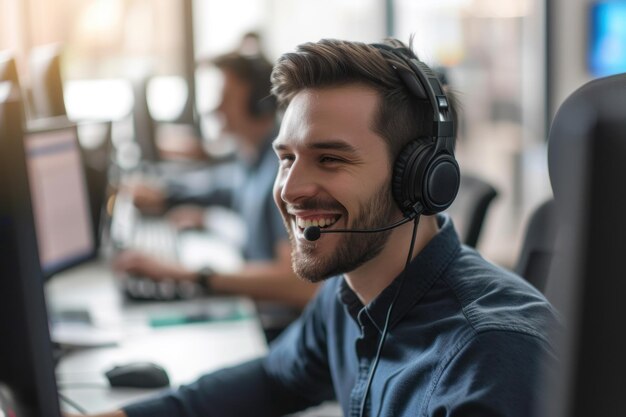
137	263
148	199
187	217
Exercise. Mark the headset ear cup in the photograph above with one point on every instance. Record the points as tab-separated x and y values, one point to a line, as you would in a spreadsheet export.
440	183
420	176
406	182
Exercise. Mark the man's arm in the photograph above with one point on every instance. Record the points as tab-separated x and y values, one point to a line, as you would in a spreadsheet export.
272	280
293	376
498	373
243	390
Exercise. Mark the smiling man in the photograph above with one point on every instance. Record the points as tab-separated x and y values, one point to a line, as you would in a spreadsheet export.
409	322
335	172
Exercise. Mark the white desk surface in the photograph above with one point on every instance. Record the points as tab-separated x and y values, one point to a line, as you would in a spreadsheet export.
186	351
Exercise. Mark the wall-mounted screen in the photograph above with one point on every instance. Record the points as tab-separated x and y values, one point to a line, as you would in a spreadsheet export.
607	43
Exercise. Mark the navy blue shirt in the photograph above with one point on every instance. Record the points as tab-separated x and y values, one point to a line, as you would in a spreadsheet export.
466	338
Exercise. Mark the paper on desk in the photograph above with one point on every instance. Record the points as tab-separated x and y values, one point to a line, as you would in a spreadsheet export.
83	335
198	249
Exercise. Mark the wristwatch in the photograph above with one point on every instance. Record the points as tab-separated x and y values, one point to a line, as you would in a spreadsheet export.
203	279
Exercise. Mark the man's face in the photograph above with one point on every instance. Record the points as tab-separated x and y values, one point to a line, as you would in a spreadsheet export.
334	173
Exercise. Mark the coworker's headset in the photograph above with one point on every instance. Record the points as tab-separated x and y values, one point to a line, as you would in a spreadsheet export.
425	171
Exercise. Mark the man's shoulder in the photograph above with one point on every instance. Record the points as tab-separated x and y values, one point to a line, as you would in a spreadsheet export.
493	298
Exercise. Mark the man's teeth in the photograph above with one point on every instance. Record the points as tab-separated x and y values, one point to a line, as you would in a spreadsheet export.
322	222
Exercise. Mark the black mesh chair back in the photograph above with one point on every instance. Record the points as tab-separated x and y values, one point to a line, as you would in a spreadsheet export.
537	249
469	209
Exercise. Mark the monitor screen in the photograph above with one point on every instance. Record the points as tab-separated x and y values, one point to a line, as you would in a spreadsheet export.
607	43
59	197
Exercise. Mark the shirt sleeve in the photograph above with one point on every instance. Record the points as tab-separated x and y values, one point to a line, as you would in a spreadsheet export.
298	360
213	185
293	376
238	391
178	193
496	374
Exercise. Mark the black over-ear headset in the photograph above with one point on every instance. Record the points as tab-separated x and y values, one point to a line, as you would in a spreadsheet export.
425	172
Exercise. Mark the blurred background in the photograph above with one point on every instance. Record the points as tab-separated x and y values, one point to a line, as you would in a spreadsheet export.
511	63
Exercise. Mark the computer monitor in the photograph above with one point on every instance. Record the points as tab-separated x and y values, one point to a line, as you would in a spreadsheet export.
8	69
26	364
46	82
143	122
96	149
587	163
60	197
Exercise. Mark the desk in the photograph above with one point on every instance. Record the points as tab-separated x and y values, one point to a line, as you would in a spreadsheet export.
185	351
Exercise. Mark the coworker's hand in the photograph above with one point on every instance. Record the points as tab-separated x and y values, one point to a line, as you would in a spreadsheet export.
137	263
187	217
148	199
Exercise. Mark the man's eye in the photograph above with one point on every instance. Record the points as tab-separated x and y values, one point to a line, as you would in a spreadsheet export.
327	159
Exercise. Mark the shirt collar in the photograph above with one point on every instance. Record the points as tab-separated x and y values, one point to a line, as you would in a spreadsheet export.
421	273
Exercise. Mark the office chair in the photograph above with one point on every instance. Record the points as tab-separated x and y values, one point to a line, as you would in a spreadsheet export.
587	166
470	207
533	263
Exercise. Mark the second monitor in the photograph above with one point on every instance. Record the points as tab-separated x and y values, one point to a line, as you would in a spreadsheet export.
60	197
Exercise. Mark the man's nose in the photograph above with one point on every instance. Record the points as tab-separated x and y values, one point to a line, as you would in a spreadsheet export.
299	183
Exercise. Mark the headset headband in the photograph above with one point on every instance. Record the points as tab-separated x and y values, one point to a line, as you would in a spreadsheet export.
425	85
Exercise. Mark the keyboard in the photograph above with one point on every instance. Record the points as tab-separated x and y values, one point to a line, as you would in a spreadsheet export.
145	289
156	237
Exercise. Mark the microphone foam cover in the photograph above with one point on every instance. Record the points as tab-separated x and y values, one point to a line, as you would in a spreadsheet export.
312	233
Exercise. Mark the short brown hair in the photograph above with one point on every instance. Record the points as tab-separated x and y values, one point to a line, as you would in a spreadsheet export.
254	70
401	117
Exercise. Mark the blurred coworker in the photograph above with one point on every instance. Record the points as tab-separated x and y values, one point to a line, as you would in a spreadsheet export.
249	114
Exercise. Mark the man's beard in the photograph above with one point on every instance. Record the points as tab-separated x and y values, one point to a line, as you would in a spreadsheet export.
352	249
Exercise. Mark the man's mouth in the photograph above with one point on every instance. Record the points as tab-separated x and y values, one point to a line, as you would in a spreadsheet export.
321	221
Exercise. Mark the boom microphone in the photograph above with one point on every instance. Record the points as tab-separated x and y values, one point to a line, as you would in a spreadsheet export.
312	233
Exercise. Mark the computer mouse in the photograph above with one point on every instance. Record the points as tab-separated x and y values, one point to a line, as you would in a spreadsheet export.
138	375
